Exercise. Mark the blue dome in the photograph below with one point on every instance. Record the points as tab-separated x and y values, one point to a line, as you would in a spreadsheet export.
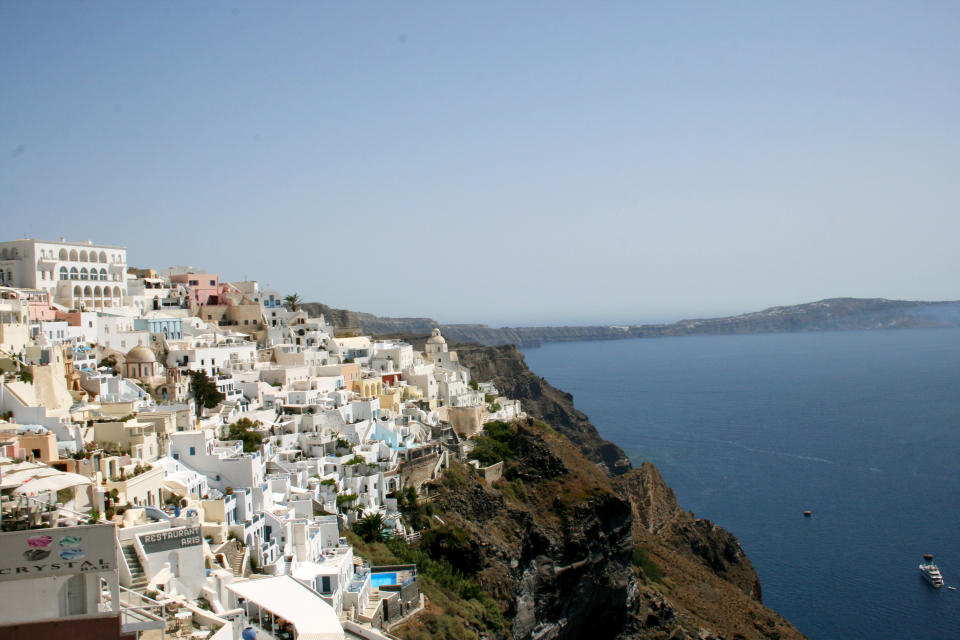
249	634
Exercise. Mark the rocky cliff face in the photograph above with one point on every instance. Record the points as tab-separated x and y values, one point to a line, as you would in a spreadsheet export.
554	541
573	542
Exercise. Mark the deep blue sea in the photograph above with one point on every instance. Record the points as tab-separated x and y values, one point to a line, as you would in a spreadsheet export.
861	428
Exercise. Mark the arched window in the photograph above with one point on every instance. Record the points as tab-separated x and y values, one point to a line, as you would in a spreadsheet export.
83	273
74	275
63	273
63	254
103	275
87	292
73	255
3	254
116	292
103	256
83	256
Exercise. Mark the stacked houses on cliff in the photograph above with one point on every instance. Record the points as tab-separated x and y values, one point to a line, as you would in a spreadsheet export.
182	453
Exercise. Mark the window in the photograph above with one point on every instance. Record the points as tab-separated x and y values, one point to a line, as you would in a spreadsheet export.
193	283
193	451
213	283
63	273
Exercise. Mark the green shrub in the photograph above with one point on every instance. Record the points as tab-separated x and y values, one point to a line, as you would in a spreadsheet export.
346	498
454	477
244	429
641	560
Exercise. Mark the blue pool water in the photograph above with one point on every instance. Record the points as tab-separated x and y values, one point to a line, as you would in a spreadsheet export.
862	428
380	579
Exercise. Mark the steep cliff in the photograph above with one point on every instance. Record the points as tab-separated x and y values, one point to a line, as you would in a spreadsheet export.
553	541
567	548
505	366
703	581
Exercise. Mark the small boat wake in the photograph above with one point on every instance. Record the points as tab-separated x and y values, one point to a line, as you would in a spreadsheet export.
770	452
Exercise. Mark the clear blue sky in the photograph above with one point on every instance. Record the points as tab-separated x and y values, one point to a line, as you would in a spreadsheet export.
501	162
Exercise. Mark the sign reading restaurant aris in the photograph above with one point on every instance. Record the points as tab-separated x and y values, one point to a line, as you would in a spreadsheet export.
61	551
170	539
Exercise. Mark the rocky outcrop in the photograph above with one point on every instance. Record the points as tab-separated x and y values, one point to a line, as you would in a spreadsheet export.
556	544
554	540
575	534
656	512
505	367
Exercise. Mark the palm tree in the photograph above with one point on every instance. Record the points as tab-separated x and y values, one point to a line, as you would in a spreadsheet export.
370	528
292	301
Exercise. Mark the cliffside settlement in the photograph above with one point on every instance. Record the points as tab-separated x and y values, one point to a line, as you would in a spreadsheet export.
186	454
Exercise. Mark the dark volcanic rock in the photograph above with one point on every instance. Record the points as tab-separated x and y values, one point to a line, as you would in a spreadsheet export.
560	559
656	510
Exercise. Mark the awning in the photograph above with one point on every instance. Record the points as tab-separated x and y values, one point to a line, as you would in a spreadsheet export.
286	598
57	482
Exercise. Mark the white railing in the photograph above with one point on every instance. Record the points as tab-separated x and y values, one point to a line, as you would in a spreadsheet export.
141	613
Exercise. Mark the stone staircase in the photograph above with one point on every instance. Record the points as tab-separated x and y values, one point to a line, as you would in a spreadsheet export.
137	576
236	564
233	557
369	611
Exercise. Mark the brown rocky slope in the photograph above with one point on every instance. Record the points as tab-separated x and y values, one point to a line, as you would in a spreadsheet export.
691	578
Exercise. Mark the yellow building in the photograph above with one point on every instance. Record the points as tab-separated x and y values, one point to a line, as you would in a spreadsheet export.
392	399
368	387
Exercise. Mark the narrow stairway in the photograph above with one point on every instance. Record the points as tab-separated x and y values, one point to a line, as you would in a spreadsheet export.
137	576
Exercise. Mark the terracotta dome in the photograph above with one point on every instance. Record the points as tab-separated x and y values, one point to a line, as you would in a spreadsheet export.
140	354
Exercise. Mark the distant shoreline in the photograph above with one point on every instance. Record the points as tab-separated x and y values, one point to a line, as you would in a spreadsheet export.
835	314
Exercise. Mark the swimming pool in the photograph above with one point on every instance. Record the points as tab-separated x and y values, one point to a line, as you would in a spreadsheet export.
379	579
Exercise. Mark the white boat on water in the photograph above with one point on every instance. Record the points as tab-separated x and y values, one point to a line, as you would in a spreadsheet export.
930	571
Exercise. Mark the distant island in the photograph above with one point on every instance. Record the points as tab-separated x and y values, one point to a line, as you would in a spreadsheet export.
834	314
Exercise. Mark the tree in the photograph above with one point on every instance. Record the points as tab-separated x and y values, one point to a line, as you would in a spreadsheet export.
245	429
370	528
292	301
205	391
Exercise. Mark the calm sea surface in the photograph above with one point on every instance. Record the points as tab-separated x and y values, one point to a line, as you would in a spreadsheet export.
862	428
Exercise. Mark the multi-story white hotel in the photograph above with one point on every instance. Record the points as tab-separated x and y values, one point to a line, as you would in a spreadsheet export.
78	275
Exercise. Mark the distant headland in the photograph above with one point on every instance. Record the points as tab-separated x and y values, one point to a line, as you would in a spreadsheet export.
834	314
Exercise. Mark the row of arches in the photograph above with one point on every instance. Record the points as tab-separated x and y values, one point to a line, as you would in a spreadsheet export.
10	253
82	274
97	296
83	256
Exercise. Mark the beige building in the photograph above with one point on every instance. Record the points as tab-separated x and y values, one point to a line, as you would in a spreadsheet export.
134	436
141	364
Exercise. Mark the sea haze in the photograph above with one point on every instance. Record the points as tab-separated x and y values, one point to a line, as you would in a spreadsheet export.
860	427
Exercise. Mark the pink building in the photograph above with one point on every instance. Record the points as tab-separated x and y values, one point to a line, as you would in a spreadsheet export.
204	288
